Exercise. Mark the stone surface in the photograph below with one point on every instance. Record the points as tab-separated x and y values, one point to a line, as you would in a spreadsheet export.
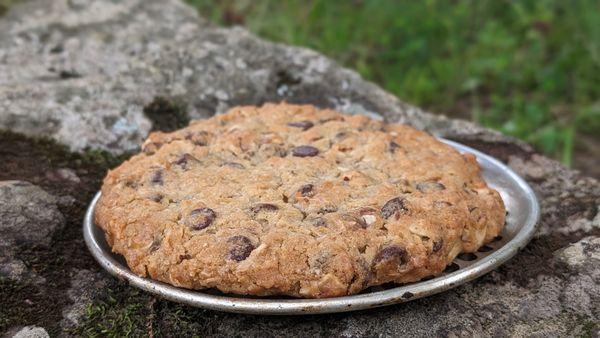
31	332
86	285
83	72
29	216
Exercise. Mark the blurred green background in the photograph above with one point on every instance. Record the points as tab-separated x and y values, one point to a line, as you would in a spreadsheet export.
530	69
527	68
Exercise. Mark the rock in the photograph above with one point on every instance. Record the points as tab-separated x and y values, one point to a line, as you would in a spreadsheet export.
583	254
28	218
31	332
82	73
101	74
63	175
14	269
86	285
28	215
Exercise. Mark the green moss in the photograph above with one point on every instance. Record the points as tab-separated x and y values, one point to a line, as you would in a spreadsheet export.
527	68
122	312
167	114
32	159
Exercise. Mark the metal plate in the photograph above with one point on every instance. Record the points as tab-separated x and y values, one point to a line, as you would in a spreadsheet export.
523	214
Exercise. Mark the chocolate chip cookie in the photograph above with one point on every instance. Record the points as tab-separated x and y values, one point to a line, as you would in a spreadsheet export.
293	200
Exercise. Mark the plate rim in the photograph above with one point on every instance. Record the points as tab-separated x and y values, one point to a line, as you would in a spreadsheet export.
399	294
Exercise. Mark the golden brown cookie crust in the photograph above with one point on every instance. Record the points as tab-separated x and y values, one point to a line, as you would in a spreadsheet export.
293	200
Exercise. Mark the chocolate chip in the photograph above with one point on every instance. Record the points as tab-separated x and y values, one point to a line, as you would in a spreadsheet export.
437	245
234	165
200	218
240	248
264	207
307	190
157	177
304	125
131	184
184	160
305	151
395	206
392	252
430	186
393	147
184	257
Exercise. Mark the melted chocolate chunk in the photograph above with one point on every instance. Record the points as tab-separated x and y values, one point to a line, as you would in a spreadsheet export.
395	206
184	257
264	207
157	177
240	248
305	151
392	252
304	125
393	147
437	245
200	218
184	160
307	190
131	184
430	186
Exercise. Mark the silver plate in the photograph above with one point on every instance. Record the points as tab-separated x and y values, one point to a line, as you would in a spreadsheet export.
523	214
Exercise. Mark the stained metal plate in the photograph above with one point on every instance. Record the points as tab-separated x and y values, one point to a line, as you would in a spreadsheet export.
523	214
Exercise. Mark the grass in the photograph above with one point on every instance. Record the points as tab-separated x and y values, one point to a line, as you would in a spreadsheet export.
527	68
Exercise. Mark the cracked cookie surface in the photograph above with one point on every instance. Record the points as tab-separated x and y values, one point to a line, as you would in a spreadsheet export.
293	200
